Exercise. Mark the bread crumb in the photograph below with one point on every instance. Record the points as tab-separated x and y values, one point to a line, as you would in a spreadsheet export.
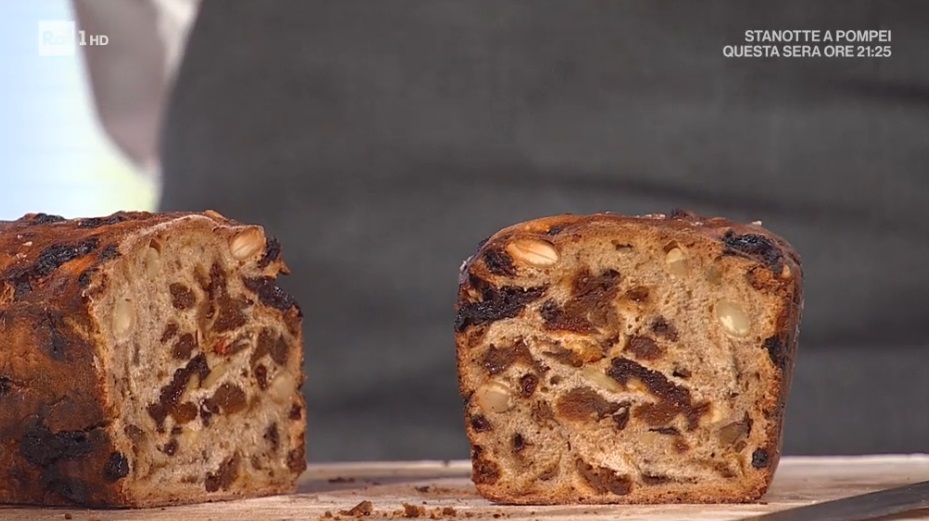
438	513
68	516
340	479
442	513
444	490
423	489
413	510
327	515
361	509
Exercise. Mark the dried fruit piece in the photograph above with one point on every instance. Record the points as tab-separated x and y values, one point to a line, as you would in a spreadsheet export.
499	359
499	263
638	294
557	318
664	329
583	403
169	332
117	467
495	304
229	398
528	384
224	476
604	480
184	413
760	458
184	346
645	348
480	424
182	297
261	376
484	470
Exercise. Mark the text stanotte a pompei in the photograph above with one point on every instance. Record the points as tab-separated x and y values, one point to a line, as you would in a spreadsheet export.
812	43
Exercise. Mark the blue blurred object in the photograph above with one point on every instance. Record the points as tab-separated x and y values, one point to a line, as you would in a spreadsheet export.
55	157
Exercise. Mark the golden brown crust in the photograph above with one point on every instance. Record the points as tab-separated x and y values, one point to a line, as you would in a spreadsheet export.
770	266
58	441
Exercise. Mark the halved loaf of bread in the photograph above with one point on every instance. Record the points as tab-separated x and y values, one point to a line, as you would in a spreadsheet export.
609	359
146	359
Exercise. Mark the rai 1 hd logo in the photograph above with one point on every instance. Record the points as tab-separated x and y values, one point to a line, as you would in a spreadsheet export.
61	38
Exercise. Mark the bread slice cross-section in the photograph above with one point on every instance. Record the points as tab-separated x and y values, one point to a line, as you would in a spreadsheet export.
146	359
610	359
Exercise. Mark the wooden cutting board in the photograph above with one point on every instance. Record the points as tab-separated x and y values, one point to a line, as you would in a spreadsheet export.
442	490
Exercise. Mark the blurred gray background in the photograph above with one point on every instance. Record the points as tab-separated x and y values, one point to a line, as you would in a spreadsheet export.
380	141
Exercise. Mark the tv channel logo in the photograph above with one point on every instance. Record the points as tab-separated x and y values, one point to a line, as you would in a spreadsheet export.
57	38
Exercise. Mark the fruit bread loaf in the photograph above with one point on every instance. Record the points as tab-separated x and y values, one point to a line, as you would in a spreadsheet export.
609	359
146	359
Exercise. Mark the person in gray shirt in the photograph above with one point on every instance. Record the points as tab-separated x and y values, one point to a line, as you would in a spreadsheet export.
381	141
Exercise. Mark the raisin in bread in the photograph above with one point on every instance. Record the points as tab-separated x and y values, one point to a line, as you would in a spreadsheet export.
146	359
609	359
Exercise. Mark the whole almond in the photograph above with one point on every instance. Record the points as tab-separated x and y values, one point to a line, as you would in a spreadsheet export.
534	252
247	244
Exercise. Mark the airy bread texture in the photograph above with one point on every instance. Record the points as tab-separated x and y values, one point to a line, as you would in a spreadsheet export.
609	359
146	359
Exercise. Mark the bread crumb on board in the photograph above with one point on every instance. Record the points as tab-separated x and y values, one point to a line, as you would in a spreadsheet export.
365	508
413	510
